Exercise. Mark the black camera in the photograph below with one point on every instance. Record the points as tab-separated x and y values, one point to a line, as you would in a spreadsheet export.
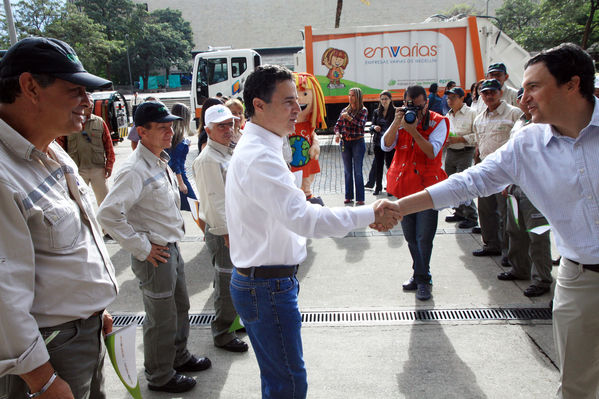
411	111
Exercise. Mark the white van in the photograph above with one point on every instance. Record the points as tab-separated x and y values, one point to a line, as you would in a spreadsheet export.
220	71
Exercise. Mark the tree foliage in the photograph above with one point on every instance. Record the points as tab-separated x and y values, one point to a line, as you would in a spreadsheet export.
539	24
105	32
87	39
461	9
33	16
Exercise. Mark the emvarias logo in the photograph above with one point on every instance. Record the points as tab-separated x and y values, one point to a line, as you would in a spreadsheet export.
416	50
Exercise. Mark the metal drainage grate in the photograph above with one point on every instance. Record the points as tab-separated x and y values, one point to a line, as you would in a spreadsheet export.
380	316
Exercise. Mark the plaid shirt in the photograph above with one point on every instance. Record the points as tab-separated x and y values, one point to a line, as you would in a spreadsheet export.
354	128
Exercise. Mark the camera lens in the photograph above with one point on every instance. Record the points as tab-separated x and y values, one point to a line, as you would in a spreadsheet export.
410	116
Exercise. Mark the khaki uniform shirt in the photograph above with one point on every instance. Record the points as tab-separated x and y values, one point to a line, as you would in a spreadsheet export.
509	95
143	206
210	173
461	124
55	266
493	128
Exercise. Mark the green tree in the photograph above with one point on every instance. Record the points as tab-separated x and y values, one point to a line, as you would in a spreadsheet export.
166	40
4	38
32	16
461	9
87	39
539	24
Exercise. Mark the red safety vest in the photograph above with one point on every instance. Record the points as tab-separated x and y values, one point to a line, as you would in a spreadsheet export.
411	170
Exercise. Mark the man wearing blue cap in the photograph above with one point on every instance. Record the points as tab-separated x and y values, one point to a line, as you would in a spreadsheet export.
142	213
57	277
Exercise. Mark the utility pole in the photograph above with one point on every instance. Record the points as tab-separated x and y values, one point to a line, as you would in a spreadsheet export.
10	23
128	62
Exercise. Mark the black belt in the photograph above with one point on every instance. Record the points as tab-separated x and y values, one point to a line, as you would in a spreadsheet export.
461	149
593	268
268	271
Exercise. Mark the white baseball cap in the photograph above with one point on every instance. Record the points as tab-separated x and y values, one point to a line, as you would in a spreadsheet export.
218	113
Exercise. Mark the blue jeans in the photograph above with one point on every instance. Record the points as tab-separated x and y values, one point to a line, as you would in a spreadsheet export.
352	153
269	311
419	230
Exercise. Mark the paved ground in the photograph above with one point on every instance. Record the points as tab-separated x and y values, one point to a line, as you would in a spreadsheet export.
363	272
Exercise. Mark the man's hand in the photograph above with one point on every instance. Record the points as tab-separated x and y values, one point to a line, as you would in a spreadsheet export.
58	390
314	151
181	184
106	323
455	140
226	237
337	138
386	215
37	378
376	128
107	173
399	113
158	253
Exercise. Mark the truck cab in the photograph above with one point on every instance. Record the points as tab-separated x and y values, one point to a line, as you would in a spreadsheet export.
220	71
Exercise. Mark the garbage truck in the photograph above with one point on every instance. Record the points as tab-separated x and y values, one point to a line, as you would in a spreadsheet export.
387	57
393	57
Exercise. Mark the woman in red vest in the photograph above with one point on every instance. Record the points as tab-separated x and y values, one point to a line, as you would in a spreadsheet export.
418	136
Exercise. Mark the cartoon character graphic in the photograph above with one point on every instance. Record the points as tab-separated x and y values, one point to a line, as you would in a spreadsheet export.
336	60
304	141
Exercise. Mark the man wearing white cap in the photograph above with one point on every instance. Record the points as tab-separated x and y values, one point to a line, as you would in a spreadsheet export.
210	172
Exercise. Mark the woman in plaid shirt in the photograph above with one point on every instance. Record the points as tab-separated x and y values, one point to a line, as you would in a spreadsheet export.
350	130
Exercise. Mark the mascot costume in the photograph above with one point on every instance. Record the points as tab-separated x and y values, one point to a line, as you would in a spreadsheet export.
304	141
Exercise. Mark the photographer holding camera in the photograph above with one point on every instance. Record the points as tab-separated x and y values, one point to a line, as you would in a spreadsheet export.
418	135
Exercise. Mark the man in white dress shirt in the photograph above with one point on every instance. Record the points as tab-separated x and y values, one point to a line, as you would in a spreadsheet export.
268	219
556	162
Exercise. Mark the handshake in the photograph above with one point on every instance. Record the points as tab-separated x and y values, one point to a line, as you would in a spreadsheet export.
386	215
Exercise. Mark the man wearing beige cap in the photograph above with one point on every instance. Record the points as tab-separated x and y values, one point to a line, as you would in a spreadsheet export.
57	277
210	171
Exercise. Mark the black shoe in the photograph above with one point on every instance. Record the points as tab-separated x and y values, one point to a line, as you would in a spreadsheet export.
423	293
454	218
179	383
535	290
195	364
376	192
410	285
316	200
507	276
505	262
370	186
107	237
486	252
466	224
476	230
235	345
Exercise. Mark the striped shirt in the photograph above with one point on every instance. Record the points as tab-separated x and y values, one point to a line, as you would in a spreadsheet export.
559	174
